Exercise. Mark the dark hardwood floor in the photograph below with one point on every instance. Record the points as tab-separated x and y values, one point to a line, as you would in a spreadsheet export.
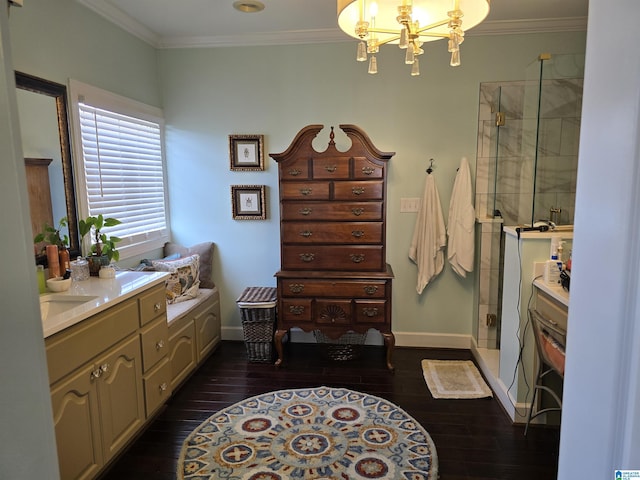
474	438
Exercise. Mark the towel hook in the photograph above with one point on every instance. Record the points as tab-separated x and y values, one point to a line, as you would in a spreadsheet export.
430	169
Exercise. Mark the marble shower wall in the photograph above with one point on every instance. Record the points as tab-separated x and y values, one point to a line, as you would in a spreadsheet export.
525	183
510	186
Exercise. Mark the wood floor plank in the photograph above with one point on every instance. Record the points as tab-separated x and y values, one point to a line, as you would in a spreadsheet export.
474	439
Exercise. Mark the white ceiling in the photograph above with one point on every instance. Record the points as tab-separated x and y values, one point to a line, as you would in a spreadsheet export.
201	23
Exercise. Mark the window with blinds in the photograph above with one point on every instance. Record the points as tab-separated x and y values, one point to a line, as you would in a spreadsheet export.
123	173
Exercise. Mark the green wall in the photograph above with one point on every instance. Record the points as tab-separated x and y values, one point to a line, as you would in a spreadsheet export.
209	93
276	90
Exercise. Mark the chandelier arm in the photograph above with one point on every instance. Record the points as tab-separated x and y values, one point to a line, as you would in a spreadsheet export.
439	35
434	25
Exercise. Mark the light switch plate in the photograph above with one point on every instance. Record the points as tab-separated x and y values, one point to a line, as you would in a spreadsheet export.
409	205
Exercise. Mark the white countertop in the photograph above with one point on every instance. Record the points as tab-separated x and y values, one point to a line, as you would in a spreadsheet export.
557	293
561	231
107	292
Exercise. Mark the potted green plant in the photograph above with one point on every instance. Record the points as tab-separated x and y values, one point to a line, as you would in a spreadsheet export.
53	235
103	247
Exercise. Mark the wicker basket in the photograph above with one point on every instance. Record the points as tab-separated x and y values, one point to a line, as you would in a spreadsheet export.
347	347
258	311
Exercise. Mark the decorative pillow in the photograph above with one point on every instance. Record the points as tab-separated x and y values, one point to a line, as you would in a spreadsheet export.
184	281
205	250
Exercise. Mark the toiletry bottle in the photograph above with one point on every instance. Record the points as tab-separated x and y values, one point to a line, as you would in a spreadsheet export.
65	264
53	261
552	271
42	284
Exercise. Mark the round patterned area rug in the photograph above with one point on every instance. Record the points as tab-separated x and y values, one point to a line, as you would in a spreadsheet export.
319	433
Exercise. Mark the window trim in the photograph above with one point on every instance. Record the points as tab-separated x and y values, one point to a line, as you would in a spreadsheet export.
126	106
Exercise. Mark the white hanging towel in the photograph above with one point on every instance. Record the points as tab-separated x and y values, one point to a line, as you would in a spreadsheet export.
460	249
429	236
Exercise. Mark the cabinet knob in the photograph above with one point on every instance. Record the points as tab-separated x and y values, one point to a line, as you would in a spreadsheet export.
370	289
370	312
105	368
306	233
156	307
97	373
305	191
357	211
357	257
159	345
357	190
296	309
296	287
307	257
357	233
294	172
330	168
163	387
368	170
305	211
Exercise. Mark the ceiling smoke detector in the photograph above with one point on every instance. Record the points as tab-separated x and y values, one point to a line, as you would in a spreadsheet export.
248	6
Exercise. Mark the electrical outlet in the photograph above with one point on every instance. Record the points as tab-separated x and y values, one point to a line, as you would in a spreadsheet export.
409	205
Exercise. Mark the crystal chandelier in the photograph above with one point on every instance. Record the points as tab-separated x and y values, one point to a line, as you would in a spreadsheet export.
408	23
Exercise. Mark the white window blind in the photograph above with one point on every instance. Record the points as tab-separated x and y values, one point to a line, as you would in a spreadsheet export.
124	173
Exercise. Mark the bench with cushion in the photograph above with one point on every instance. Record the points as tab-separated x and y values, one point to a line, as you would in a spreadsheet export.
193	307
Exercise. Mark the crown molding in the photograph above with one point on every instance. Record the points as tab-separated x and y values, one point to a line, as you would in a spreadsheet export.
124	21
294	37
331	35
535	25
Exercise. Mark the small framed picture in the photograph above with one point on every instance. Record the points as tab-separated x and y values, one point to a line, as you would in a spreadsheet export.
247	202
246	152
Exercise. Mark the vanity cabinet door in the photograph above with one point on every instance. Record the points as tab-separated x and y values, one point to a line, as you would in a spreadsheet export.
121	395
76	419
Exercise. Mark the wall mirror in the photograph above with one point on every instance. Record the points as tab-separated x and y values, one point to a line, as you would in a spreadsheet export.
42	108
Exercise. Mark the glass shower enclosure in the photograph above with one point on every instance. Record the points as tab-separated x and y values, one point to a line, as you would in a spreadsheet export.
526	167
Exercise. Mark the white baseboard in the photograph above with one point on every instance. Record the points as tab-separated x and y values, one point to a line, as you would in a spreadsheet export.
403	339
517	411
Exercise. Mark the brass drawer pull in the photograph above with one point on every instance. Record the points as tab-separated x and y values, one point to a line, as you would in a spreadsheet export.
370	311
159	345
296	287
294	172
95	374
370	289
306	234
368	170
357	233
307	257
305	211
305	191
330	168
357	211
357	257
296	309
156	307
163	387
357	190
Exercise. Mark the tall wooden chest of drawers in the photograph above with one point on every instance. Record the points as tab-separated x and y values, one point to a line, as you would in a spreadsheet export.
334	276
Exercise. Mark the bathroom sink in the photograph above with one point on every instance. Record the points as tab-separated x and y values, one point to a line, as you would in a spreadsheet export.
51	305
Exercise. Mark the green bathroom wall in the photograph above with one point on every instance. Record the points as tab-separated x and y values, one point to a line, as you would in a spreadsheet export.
209	93
277	90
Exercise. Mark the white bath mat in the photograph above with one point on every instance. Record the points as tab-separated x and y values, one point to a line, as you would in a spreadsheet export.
454	379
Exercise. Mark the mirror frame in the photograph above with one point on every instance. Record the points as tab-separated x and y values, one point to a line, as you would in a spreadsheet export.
59	93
